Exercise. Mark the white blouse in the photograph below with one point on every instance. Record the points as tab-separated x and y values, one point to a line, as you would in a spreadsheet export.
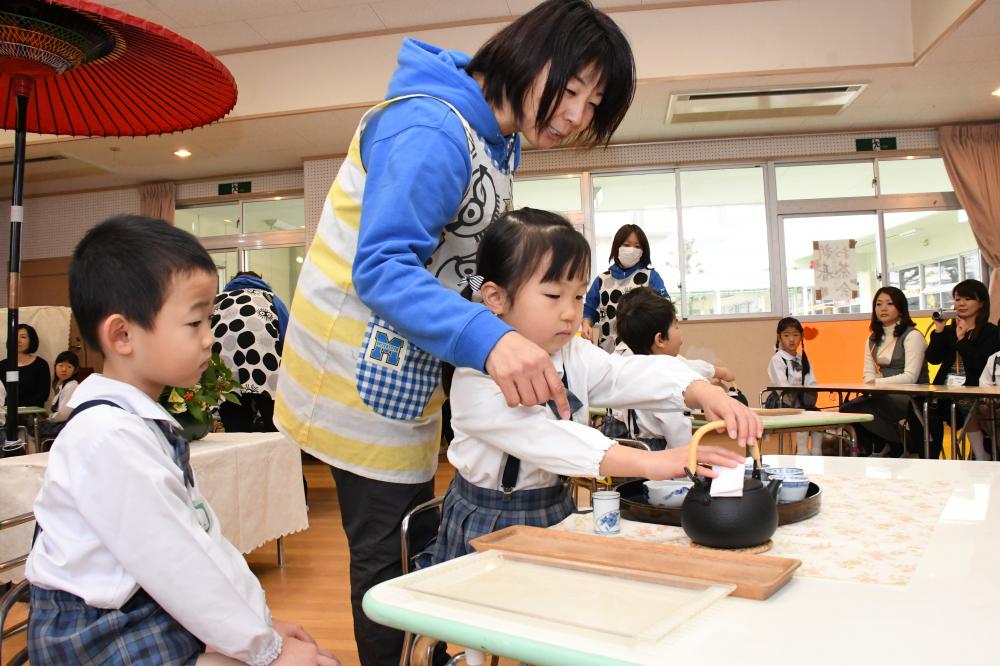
487	430
116	516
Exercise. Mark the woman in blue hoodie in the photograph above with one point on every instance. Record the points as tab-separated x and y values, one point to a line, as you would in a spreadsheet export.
378	304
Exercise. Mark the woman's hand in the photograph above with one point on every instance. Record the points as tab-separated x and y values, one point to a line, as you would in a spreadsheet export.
742	424
670	464
525	374
587	331
939	325
961	328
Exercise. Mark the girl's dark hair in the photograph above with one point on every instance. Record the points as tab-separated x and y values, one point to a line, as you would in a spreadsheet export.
642	313
622	235
515	246
975	290
905	321
65	357
791	322
32	337
566	36
125	265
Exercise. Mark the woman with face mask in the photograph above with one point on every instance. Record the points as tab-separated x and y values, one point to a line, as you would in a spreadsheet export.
631	267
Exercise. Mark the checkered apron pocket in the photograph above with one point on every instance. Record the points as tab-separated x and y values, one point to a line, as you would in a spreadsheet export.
394	377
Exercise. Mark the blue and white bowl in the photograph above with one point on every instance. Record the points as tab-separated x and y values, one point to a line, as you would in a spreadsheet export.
784	471
764	470
667	494
793	487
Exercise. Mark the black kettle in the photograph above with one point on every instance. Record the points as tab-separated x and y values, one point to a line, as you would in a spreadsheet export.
728	522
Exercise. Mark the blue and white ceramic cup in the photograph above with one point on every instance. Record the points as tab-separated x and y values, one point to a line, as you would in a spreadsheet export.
607	512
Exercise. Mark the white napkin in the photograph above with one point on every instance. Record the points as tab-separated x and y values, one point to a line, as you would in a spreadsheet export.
729	483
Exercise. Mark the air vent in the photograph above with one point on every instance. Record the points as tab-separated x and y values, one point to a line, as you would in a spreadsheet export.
790	102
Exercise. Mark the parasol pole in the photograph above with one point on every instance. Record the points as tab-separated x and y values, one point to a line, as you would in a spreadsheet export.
22	90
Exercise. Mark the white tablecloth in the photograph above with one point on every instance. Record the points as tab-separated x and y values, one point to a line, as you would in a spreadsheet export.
252	480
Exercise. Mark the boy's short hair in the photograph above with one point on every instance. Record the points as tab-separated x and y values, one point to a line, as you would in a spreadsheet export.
32	337
124	266
642	313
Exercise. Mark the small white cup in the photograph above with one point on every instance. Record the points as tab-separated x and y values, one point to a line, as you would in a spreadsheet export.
607	512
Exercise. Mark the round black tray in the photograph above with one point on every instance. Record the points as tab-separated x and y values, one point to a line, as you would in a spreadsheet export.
635	507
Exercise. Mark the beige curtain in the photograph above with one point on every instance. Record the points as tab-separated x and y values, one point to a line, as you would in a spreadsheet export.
157	200
972	157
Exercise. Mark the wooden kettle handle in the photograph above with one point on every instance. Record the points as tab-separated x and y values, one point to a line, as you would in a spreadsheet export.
696	437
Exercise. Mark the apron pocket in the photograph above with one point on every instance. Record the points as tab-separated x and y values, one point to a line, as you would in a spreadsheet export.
395	378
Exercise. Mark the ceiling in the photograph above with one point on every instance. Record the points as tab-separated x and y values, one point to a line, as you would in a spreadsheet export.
920	70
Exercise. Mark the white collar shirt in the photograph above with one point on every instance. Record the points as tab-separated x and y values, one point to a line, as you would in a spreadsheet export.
117	515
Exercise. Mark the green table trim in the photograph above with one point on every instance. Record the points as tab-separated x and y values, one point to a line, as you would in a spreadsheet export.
486	640
802	421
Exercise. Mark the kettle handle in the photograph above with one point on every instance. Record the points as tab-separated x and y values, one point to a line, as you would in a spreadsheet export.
695	438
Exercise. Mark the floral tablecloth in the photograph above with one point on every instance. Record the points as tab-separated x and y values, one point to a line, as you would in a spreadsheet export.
857	536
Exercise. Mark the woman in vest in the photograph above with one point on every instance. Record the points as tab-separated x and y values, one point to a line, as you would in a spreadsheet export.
631	267
378	303
894	354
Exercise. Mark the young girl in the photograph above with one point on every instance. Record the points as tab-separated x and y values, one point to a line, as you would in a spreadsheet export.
66	366
532	273
790	368
631	267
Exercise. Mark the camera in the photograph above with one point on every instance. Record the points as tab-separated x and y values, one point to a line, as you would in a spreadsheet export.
941	315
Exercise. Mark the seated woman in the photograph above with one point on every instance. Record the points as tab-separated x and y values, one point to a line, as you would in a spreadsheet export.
961	347
66	367
894	354
33	371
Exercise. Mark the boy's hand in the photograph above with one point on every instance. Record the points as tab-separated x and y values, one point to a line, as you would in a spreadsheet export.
299	653
525	374
742	424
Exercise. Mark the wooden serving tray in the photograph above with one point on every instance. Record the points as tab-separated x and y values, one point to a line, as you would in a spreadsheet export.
755	576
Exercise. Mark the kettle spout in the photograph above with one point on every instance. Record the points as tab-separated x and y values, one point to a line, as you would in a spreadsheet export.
773	486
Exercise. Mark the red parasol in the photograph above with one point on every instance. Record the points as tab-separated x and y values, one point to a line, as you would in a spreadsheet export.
78	68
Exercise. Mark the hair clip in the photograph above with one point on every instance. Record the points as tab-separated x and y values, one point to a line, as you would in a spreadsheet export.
474	282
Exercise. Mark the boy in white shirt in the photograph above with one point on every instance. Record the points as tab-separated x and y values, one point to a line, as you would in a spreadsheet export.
989	377
648	326
129	565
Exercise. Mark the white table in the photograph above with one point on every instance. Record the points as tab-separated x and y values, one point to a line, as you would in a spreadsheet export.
252	480
820	620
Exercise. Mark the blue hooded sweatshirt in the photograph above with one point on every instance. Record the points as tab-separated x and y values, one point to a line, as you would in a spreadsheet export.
418	168
251	282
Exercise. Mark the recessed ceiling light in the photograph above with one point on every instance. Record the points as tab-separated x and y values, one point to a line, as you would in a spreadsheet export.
183	152
996	93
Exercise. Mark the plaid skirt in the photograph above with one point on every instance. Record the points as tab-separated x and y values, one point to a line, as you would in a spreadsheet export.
470	511
62	629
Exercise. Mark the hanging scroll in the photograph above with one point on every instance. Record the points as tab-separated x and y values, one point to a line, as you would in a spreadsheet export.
834	275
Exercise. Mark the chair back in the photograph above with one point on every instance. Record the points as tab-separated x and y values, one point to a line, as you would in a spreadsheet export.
419	527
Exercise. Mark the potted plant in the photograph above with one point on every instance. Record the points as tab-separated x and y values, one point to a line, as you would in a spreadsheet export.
192	407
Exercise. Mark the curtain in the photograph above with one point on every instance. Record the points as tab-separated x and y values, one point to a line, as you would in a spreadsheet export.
972	157
157	200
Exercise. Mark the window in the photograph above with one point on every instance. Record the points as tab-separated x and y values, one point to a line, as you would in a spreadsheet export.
724	225
212	220
800	236
281	214
825	181
558	195
646	200
909	176
928	253
279	267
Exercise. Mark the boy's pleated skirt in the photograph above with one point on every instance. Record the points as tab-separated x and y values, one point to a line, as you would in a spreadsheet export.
470	511
62	629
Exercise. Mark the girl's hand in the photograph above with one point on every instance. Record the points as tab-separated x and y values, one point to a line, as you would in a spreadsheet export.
286	629
525	374
742	424
587	331
299	653
670	463
723	373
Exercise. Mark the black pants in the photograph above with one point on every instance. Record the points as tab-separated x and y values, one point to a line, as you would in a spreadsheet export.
372	512
255	413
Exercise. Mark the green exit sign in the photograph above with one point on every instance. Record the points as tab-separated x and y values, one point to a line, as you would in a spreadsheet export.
881	143
241	187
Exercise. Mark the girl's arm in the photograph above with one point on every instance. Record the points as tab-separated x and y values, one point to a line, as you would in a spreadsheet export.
668	464
776	371
64	396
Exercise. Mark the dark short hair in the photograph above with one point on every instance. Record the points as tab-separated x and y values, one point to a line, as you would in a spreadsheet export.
566	35
32	337
905	320
124	266
622	235
65	357
515	245
977	291
642	313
